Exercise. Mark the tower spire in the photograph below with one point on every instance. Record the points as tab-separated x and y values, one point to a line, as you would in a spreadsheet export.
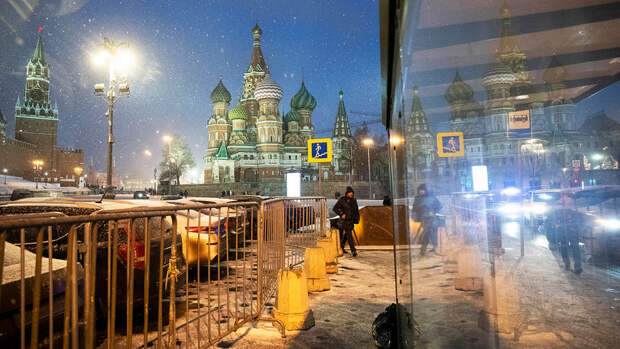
38	51
341	126
419	122
257	62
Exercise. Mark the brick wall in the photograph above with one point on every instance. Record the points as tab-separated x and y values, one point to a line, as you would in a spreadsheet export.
17	156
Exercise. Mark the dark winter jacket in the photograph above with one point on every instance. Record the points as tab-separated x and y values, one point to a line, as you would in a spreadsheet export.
568	223
425	206
347	206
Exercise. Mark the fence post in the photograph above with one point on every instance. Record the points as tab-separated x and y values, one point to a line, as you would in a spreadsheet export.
260	235
282	234
172	270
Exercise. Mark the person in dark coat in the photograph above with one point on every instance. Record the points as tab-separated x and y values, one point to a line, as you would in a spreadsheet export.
346	208
567	224
387	201
425	206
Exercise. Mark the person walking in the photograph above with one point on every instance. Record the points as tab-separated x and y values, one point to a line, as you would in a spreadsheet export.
425	206
567	223
346	208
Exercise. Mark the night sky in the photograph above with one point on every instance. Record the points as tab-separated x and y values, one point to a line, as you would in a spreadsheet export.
181	49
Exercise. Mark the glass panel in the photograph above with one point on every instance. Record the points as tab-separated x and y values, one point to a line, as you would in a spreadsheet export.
504	154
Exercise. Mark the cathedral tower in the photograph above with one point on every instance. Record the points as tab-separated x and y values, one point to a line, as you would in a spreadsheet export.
497	81
342	140
36	120
420	141
219	127
460	96
304	103
269	127
238	116
254	74
509	54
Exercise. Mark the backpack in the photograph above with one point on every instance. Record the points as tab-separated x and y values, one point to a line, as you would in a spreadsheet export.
384	328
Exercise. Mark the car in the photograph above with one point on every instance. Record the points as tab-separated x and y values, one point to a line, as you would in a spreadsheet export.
19	194
12	290
75	207
140	195
211	233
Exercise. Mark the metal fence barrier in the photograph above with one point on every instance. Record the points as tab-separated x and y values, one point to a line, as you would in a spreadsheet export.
186	275
290	225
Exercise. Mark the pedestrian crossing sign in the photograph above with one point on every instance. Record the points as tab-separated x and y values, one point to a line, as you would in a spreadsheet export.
450	144
319	150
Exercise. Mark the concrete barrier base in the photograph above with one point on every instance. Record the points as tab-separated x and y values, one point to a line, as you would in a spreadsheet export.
314	269
335	236
292	306
469	276
331	254
501	310
331	268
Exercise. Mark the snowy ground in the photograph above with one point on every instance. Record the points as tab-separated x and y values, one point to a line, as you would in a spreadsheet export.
560	309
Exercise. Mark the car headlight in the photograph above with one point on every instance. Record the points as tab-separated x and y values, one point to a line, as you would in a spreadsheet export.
510	210
611	224
537	208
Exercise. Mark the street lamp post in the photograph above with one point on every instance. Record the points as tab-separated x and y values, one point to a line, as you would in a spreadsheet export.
368	142
4	170
116	58
37	165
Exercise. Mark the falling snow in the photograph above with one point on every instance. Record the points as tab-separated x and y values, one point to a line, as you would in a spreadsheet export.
181	49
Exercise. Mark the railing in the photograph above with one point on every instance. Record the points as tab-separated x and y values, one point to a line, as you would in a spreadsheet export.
289	226
114	272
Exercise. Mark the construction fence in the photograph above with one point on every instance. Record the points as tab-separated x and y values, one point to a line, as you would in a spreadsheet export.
162	277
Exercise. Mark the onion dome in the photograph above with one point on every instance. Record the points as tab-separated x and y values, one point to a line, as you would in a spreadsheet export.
498	74
238	112
303	99
459	91
268	88
220	93
292	115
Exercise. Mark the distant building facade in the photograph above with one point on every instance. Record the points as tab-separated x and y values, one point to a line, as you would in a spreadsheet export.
36	126
252	141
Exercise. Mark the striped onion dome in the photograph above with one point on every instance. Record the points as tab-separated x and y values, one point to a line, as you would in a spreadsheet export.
497	73
220	93
268	88
238	112
292	115
459	91
303	99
